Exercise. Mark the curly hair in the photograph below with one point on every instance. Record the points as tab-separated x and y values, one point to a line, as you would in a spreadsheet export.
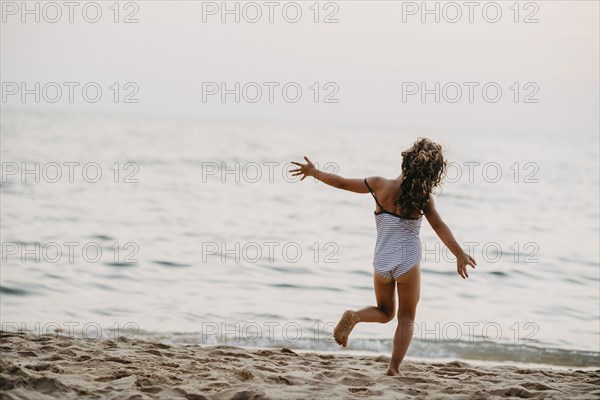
423	168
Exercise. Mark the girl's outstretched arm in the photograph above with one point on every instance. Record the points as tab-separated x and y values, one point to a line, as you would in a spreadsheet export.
308	169
444	233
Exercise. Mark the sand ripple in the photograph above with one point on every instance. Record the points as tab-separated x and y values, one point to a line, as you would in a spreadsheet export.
50	367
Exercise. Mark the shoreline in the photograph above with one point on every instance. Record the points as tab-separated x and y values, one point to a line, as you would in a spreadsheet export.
54	366
591	363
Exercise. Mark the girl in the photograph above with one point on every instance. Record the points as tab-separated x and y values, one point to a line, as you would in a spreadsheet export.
400	206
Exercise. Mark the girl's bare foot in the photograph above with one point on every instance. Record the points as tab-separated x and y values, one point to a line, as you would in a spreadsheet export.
392	372
344	327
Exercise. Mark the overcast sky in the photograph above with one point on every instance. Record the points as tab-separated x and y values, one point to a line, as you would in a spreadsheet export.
368	61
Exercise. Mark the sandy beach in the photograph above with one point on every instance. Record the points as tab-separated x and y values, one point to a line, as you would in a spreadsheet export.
52	366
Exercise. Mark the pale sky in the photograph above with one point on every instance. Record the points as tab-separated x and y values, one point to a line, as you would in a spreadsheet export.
368	56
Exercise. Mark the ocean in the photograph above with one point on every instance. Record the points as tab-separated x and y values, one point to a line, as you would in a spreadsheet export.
193	231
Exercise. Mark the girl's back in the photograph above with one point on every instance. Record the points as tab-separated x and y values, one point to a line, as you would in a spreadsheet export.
387	192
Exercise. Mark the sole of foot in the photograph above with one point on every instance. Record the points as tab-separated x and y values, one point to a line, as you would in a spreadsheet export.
344	327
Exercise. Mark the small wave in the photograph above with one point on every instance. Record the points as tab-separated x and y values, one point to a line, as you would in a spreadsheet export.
120	264
361	272
170	264
13	291
475	350
293	270
565	260
103	287
102	237
288	285
437	272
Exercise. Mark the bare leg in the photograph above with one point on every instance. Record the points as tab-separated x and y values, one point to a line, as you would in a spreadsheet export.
409	288
383	312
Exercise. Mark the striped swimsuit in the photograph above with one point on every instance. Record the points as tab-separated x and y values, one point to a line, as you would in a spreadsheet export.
398	246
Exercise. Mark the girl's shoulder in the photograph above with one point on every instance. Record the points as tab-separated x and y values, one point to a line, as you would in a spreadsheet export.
376	182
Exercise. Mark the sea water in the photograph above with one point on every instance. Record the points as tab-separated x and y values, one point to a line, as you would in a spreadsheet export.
194	231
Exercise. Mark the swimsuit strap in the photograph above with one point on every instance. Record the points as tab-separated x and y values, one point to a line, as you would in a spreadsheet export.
373	194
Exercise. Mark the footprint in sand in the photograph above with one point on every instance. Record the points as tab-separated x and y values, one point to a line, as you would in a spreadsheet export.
541	386
68	353
27	354
47	385
113	377
244	375
263	368
41	367
118	360
356	382
52	358
279	379
513	392
409	379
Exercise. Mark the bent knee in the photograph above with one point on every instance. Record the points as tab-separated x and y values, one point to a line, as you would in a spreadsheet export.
389	313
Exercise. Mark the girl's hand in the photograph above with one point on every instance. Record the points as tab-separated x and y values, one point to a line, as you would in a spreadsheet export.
305	170
461	264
